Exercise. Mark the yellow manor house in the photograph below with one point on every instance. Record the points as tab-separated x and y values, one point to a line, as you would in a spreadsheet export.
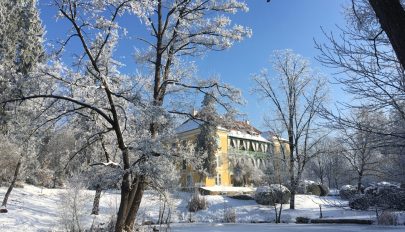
238	145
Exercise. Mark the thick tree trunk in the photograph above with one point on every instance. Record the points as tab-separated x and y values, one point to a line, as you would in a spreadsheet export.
391	16
133	210
96	202
134	187
124	204
125	192
10	188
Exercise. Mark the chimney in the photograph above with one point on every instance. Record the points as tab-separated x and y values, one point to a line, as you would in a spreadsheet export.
194	112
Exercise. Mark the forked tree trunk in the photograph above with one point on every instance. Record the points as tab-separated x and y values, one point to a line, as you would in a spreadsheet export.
96	202
130	205
391	16
133	210
10	188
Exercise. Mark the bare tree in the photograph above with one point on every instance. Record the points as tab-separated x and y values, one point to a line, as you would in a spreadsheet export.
371	68
361	147
296	102
329	167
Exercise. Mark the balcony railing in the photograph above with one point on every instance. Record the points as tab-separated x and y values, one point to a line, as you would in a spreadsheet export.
254	154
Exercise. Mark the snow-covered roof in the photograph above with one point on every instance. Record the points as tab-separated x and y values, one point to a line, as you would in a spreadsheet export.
238	134
272	136
189	125
241	130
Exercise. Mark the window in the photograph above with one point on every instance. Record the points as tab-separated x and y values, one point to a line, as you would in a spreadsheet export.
219	161
184	166
218	180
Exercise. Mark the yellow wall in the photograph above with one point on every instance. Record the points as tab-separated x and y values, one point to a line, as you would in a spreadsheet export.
223	170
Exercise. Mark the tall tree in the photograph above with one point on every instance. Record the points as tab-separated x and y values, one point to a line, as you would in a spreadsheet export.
369	67
182	28
138	110
207	139
296	103
361	147
21	50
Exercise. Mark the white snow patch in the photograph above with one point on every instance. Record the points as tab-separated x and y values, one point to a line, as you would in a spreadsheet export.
35	209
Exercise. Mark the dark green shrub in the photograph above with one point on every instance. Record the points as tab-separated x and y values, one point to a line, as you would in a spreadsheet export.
362	202
302	220
324	190
242	197
313	189
273	194
347	192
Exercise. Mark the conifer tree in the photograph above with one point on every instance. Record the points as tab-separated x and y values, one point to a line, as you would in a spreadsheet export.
21	37
207	139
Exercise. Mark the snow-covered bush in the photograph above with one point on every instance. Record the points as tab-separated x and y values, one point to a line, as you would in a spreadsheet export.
381	188
383	196
347	192
197	202
272	194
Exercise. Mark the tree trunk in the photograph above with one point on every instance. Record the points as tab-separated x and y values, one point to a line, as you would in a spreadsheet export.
134	187
292	178
96	202
391	16
359	182
10	188
124	204
130	220
125	192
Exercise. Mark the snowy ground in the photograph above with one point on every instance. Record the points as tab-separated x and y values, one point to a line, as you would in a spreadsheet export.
280	227
35	209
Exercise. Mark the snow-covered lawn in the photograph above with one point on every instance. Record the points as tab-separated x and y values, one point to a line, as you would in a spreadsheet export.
35	209
280	227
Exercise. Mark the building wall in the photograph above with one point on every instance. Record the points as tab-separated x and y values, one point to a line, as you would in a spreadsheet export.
224	169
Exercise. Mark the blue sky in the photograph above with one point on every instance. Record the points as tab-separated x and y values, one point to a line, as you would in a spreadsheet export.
280	24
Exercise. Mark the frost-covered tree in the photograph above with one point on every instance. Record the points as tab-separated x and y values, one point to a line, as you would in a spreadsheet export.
207	141
21	35
368	53
361	148
180	29
329	166
136	110
296	94
21	51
